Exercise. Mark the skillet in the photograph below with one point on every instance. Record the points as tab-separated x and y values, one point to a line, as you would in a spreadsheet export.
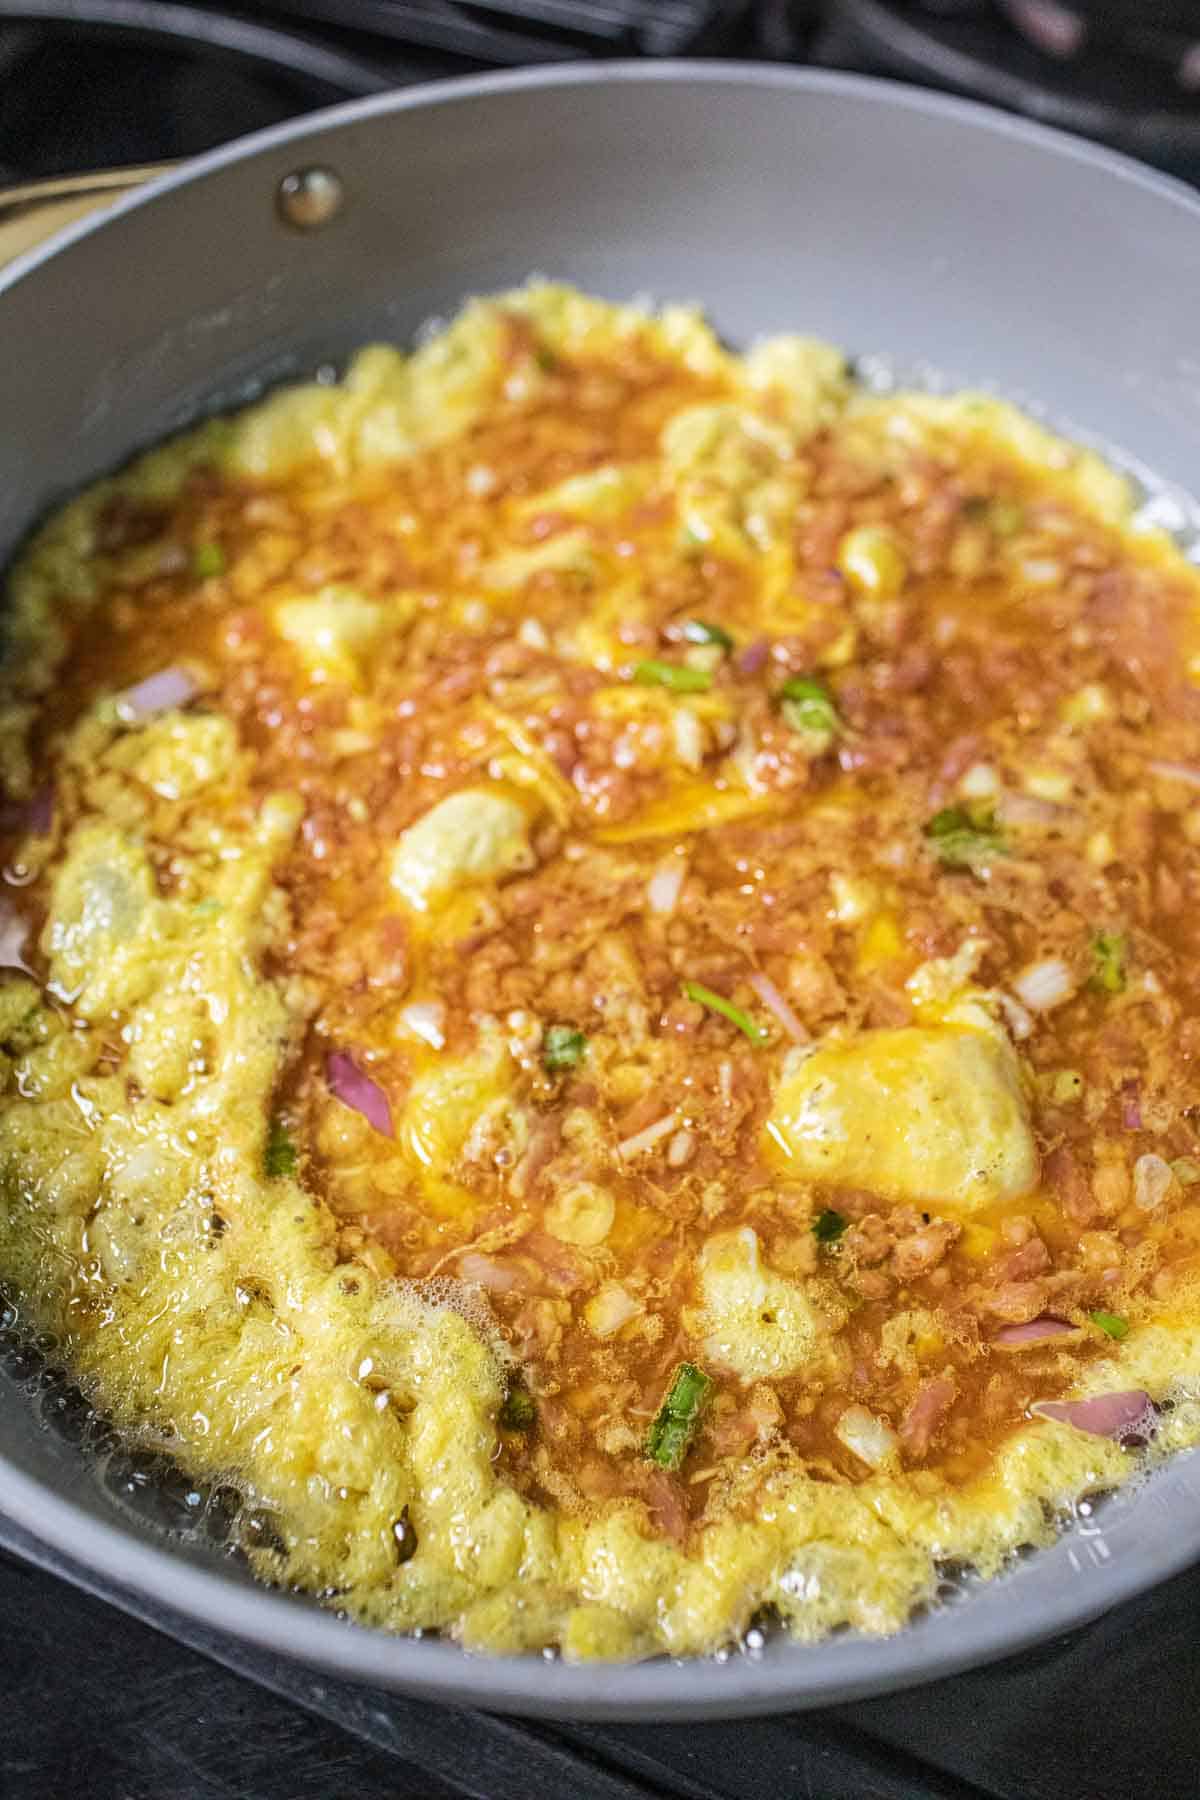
952	241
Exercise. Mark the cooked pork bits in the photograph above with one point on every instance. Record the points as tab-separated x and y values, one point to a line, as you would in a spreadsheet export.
599	1002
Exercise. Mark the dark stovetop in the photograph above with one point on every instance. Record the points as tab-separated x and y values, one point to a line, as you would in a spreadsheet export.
97	1704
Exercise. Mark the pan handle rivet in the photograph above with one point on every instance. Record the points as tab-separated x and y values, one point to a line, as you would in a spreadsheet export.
310	198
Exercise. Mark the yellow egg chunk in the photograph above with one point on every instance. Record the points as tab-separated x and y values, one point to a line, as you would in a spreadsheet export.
756	1322
918	1113
474	835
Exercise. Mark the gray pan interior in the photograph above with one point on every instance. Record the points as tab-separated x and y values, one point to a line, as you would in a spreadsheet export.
887	219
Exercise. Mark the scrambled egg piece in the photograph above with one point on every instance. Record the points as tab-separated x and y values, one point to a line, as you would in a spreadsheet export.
477	834
335	629
757	1323
916	1113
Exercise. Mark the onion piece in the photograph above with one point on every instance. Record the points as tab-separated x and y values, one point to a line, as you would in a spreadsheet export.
1044	984
14	930
356	1090
425	1019
870	1438
1173	771
641	1141
610	1308
665	885
158	693
485	1272
1152	1181
1034	1331
1131	1107
754	657
1033	809
1128	1414
39	814
774	1001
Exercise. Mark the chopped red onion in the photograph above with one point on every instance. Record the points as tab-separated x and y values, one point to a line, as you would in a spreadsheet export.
1129	1414
39	814
1034	1331
354	1089
1131	1107
753	658
644	1140
774	1001
169	687
486	1272
1173	771
13	932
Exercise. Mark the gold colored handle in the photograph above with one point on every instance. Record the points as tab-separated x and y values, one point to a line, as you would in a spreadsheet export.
32	212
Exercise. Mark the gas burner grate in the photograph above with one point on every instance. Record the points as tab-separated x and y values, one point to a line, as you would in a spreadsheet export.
1127	74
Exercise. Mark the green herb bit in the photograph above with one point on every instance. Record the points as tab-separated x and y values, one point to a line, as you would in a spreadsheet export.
703	996
828	1226
563	1048
1111	1324
1186	1171
279	1157
673	676
517	1409
963	839
1006	517
1109	952
699	631
807	706
207	560
678	1416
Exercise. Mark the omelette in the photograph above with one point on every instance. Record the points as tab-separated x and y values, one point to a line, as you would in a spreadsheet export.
601	967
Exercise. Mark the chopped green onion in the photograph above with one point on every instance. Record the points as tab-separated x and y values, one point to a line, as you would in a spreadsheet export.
699	631
673	676
807	706
1111	1324
1186	1171
1007	517
563	1048
1109	950
828	1226
703	996
207	560
279	1157
678	1417
962	839
517	1410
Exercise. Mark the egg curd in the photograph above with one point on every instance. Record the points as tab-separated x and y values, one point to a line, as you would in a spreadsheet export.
601	979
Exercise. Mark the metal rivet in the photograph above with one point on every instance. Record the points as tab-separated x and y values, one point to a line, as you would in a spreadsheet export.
310	198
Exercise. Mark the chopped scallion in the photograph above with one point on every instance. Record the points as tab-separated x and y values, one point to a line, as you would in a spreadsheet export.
563	1048
1109	951
678	1416
828	1226
703	996
1186	1171
279	1156
962	838
699	631
517	1410
673	676
806	704
1111	1324
207	560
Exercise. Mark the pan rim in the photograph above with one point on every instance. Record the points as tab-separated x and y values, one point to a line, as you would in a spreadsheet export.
793	1676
